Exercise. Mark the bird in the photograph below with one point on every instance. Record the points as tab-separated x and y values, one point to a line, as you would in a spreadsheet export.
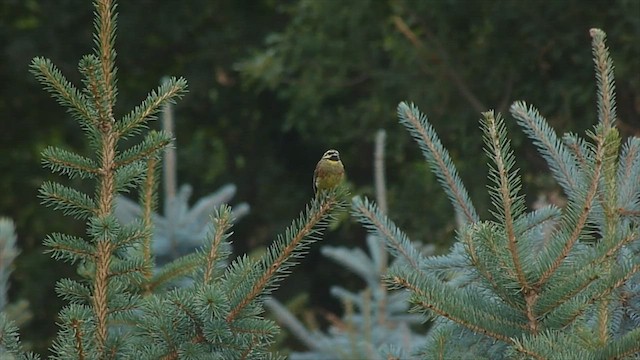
329	172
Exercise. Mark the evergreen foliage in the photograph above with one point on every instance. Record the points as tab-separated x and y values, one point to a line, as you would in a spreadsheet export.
551	283
375	324
182	229
224	121
120	308
219	315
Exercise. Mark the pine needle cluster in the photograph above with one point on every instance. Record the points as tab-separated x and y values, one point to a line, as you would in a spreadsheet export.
554	283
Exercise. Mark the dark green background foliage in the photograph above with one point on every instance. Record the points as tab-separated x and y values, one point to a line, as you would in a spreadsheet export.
273	85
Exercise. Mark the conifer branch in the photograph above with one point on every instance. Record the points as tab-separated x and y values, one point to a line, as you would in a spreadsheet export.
506	198
63	91
575	227
194	318
629	158
130	234
153	142
587	276
126	267
549	284
602	327
179	267
104	247
397	242
274	261
616	246
578	148
10	346
438	310
532	354
70	201
148	201
599	295
537	218
604	79
73	291
101	282
68	248
76	326
168	91
608	197
68	163
481	243
439	159
94	79
560	160
474	257
105	33
222	223
554	344
169	164
282	315
623	347
628	175
628	273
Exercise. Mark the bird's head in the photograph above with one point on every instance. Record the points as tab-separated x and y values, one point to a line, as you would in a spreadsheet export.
332	155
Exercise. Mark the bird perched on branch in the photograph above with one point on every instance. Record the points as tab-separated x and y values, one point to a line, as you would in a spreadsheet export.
329	172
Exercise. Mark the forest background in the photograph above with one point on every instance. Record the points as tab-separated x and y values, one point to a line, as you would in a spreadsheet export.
273	84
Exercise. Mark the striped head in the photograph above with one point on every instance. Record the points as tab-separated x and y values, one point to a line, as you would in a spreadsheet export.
332	155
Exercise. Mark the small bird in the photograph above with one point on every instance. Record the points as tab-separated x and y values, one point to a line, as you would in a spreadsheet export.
329	171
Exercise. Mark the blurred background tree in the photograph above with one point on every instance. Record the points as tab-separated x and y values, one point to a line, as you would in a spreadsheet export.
274	84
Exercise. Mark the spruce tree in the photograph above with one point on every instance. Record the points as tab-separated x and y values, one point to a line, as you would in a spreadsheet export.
554	283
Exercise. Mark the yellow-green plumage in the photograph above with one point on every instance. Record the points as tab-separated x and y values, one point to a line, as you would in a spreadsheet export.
329	172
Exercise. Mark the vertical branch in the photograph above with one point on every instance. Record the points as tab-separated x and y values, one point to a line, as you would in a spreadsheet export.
378	168
603	321
604	79
221	225
105	37
169	170
499	148
78	334
148	204
113	171
381	199
104	246
609	197
576	225
169	173
611	138
107	187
